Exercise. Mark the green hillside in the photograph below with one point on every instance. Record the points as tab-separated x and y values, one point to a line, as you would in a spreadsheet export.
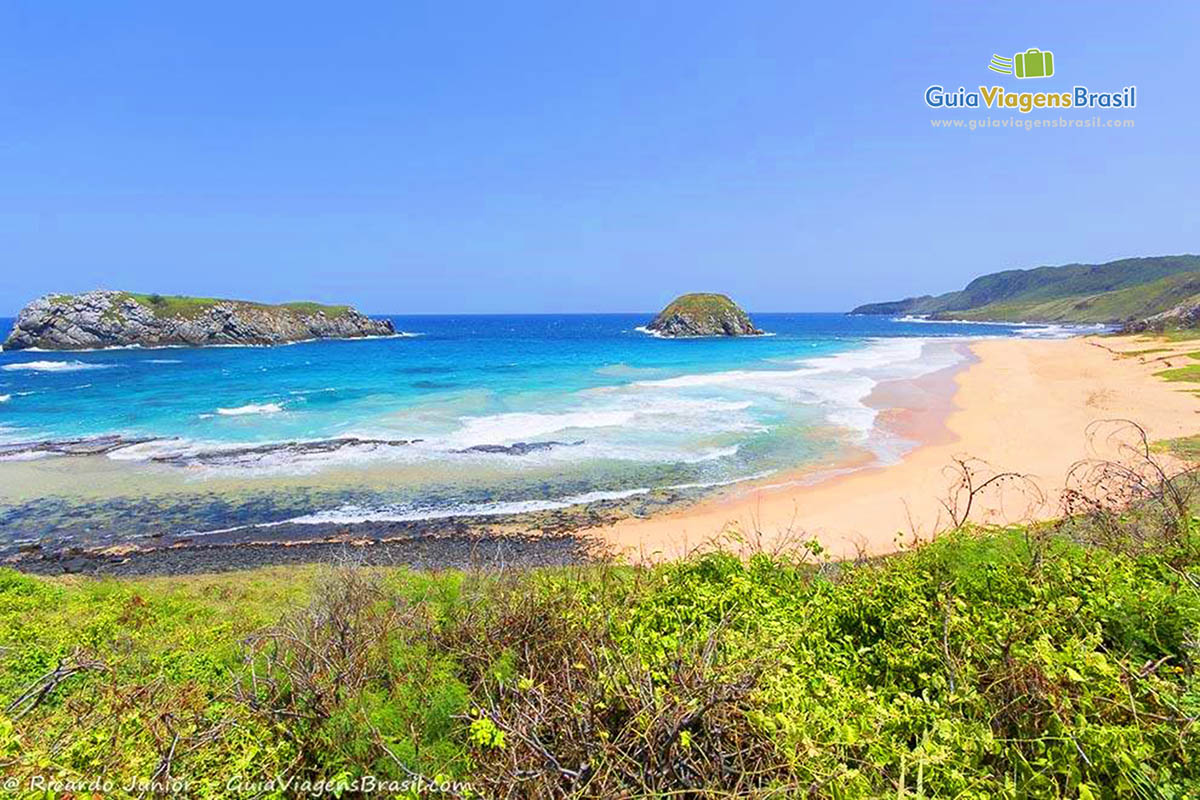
1131	288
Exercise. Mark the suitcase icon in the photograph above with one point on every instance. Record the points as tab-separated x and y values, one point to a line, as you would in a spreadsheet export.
1034	63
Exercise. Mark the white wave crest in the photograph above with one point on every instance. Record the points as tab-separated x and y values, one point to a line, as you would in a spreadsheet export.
352	514
53	366
1032	330
630	412
261	408
839	384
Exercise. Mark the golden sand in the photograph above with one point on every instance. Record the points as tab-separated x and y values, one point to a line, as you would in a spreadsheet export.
1023	405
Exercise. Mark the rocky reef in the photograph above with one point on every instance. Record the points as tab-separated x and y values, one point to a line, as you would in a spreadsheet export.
703	315
120	319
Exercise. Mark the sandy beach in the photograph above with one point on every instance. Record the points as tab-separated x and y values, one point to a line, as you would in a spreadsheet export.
1020	405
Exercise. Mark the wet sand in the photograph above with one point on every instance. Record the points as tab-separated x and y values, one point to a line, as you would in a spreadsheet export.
1022	405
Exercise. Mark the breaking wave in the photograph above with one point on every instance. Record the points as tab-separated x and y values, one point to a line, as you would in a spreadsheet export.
262	408
53	366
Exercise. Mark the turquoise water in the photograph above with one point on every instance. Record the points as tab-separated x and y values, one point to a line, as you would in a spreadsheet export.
609	409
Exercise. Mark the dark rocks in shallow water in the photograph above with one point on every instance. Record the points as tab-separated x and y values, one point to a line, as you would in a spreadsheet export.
448	551
87	446
517	449
159	535
121	319
693	315
240	455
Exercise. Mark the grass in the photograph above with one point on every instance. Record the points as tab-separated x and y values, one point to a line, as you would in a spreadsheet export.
1179	334
1002	663
1147	352
1185	447
1189	373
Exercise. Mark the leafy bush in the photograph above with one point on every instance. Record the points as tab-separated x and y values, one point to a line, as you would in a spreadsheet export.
998	663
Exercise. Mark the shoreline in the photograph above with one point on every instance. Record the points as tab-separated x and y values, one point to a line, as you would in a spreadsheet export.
862	503
1022	405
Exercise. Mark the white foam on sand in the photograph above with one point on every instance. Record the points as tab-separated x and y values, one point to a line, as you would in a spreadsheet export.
837	384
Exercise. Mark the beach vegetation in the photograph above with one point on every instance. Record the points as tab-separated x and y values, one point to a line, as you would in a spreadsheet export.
1189	373
1185	447
1055	659
1178	334
1018	662
1145	352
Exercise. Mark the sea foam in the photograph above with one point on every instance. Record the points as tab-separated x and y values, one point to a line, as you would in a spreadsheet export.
262	408
53	366
354	514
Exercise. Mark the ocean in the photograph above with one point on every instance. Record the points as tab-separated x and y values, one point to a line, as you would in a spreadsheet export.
459	416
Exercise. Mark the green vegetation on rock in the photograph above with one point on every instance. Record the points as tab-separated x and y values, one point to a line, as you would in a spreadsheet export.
1133	288
703	314
184	307
116	319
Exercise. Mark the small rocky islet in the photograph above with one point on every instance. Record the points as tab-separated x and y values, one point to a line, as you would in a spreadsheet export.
102	318
693	315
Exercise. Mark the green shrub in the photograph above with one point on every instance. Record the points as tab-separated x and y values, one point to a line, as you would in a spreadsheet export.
1004	663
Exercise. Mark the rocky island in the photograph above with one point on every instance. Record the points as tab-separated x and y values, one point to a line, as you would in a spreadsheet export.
702	315
122	319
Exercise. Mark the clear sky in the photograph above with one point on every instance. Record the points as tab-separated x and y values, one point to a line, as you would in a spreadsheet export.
508	157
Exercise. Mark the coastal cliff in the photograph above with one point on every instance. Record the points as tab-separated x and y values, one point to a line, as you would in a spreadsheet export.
703	315
121	319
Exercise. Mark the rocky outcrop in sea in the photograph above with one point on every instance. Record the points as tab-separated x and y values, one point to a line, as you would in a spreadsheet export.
703	315
120	319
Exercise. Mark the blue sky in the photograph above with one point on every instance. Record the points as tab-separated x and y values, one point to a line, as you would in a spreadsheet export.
538	157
